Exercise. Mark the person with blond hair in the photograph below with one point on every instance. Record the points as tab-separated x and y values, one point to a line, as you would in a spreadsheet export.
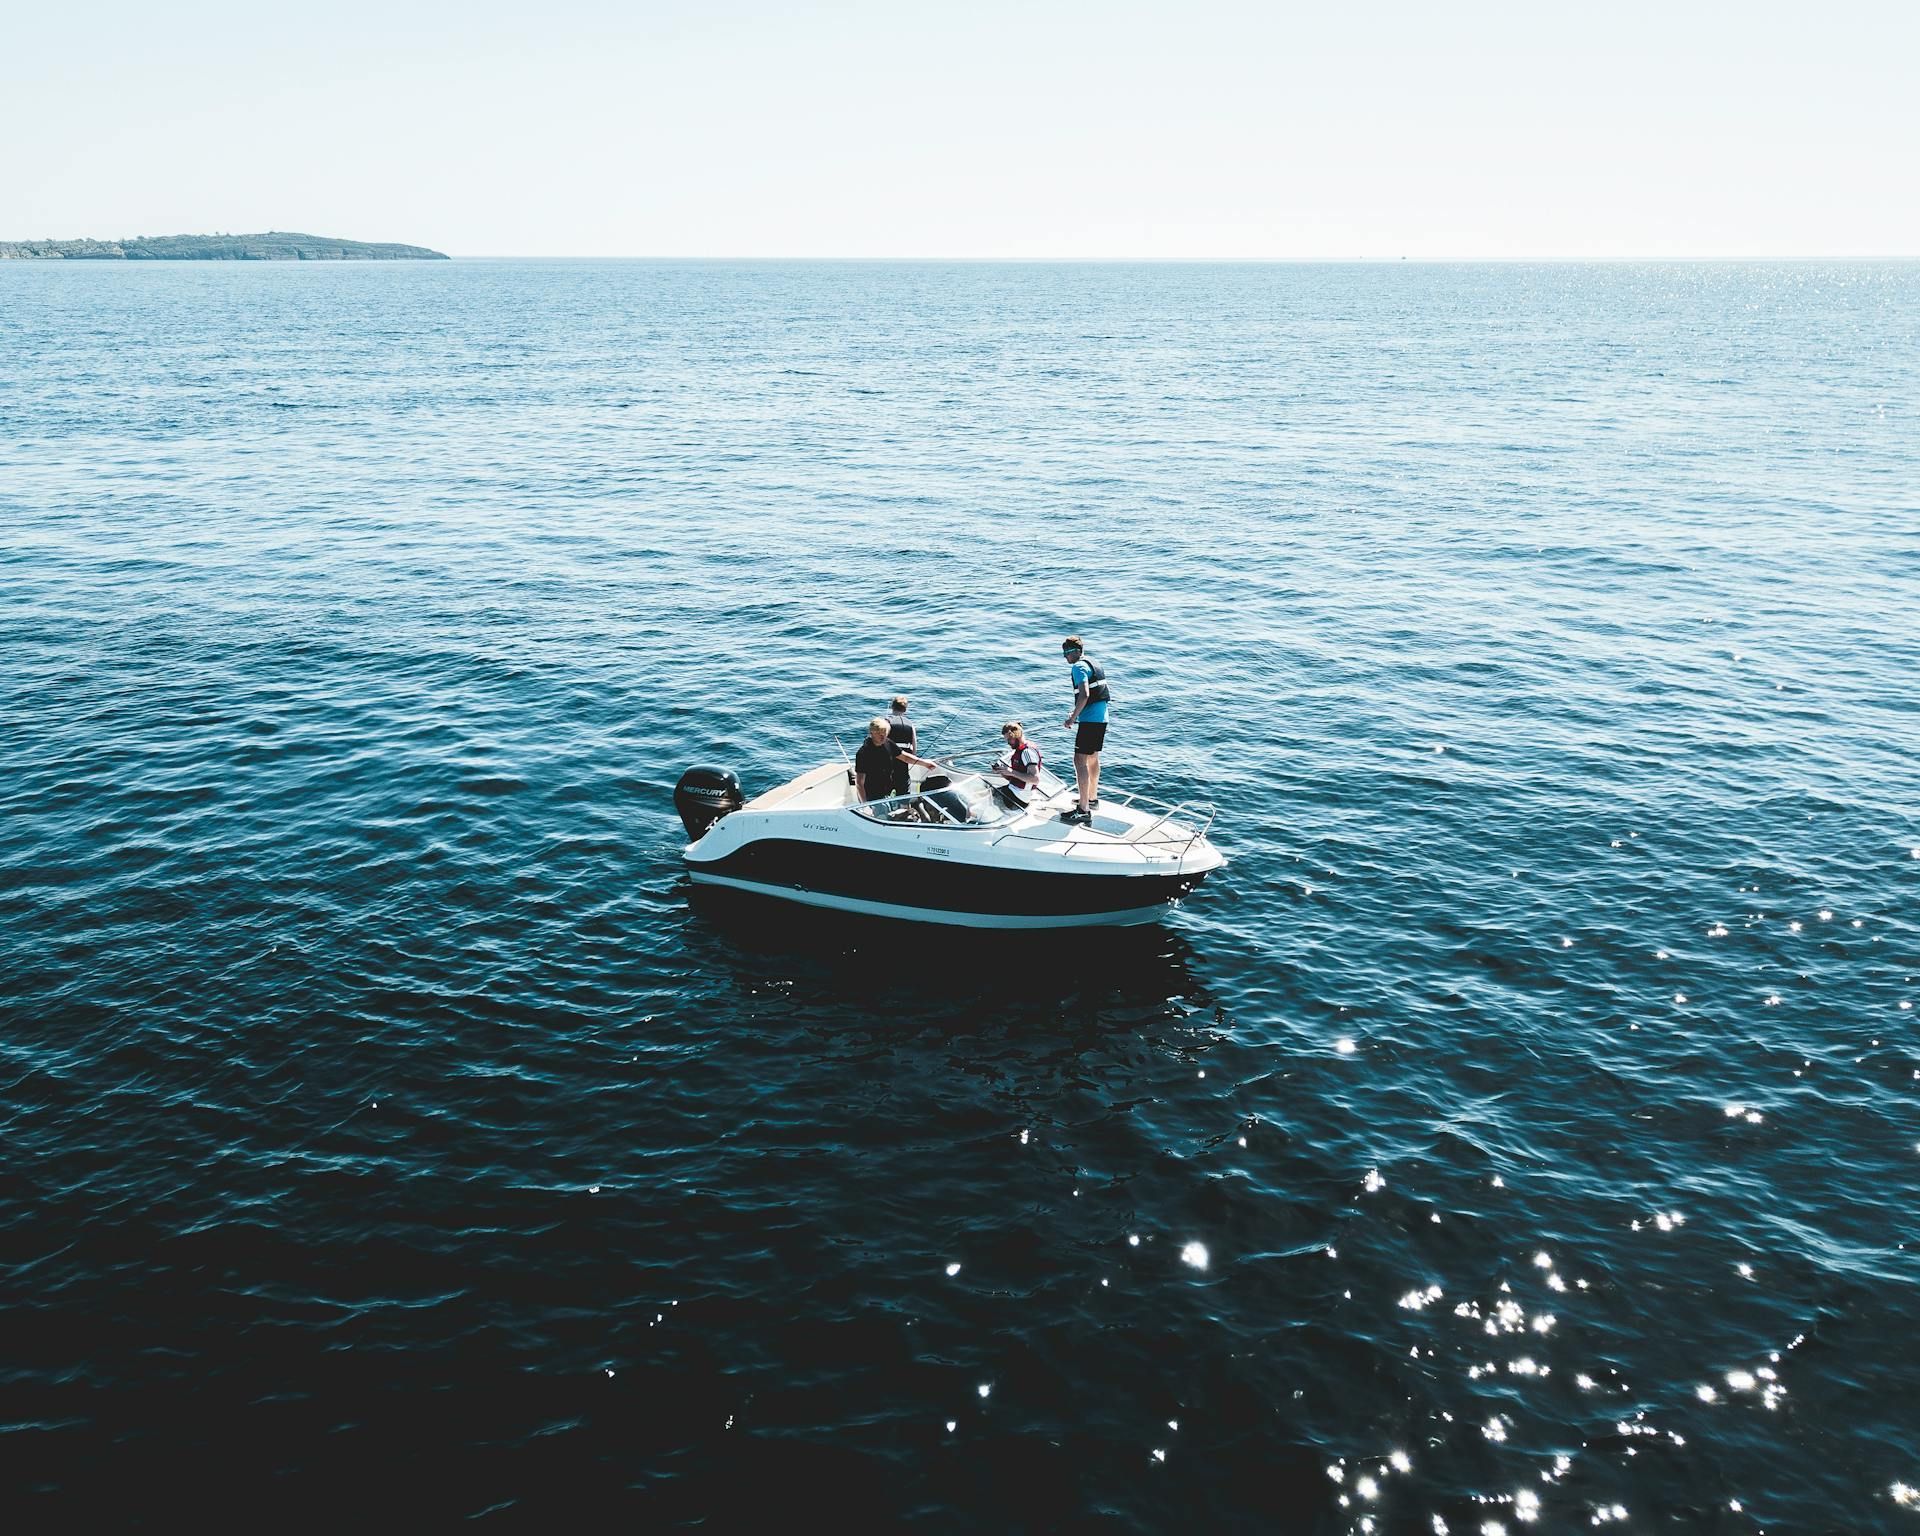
873	763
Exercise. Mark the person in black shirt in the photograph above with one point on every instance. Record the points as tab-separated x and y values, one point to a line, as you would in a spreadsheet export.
873	763
900	729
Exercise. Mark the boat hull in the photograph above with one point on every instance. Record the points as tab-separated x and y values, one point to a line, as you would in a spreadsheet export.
973	864
948	916
973	895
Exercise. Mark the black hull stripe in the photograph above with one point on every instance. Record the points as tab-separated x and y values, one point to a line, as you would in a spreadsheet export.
928	882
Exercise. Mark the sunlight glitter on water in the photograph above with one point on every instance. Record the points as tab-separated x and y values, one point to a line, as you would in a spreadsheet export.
366	572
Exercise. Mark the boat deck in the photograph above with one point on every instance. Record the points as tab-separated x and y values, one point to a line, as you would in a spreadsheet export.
824	789
1127	823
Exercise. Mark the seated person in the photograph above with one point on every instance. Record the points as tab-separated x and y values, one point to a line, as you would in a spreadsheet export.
1021	769
873	763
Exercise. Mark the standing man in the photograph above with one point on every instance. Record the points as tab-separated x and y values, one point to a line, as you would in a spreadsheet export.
901	732
873	763
1090	699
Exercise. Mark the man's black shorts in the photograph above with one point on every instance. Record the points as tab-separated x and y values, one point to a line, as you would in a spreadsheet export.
1092	736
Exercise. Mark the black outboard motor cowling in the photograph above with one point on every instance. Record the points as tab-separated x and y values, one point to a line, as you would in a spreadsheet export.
703	796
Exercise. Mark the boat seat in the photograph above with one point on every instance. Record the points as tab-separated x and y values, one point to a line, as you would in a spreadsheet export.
953	803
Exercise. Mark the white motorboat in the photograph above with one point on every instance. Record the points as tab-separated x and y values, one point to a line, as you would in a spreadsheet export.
959	850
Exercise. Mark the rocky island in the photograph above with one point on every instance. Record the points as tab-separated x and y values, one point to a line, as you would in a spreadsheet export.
275	245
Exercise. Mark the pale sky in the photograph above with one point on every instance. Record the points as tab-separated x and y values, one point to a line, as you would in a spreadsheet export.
745	128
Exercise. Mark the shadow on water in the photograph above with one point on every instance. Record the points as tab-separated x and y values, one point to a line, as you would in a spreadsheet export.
955	974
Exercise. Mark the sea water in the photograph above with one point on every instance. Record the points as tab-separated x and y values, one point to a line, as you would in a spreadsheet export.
1524	1126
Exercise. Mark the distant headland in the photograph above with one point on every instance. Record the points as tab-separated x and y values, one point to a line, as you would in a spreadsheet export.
276	245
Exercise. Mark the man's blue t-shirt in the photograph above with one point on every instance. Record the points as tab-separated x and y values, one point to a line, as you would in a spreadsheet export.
1095	713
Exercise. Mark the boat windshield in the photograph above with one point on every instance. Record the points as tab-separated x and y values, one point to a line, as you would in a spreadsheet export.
966	802
971	802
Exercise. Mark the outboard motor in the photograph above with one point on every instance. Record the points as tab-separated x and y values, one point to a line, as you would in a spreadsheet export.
703	796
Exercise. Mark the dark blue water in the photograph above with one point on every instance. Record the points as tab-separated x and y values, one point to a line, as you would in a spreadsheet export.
387	1136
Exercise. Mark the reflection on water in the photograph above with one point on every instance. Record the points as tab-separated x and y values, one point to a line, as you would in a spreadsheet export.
927	971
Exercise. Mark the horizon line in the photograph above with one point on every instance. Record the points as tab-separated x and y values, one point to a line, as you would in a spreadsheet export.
1129	260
